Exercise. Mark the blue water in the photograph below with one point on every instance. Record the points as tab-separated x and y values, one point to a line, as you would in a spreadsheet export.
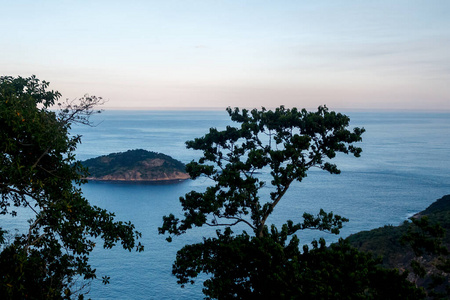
404	168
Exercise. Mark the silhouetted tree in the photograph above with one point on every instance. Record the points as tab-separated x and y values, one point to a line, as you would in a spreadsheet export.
38	171
285	143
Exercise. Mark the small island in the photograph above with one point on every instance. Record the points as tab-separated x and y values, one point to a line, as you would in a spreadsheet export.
135	165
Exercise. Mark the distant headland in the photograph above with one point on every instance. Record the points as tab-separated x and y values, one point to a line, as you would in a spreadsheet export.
135	165
386	242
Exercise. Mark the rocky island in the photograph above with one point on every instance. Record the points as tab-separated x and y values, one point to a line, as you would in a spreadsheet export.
135	165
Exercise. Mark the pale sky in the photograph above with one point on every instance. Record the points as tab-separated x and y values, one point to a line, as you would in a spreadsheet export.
371	55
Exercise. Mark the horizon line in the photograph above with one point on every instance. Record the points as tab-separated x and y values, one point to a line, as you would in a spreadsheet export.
206	108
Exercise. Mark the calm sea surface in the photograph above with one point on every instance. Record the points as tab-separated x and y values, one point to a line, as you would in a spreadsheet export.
404	168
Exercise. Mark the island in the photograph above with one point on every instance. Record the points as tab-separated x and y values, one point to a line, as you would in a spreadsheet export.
135	165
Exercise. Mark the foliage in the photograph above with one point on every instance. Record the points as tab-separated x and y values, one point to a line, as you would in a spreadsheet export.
384	242
419	246
245	267
285	143
38	171
438	207
426	239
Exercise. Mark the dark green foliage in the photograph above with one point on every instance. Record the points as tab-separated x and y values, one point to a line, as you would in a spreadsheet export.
284	143
420	246
269	264
121	162
425	237
245	267
38	171
438	207
432	261
384	242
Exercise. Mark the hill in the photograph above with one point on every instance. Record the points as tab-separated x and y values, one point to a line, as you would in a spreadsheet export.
386	242
135	165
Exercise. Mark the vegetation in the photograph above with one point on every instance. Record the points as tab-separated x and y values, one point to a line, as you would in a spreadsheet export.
136	164
285	143
38	171
419	246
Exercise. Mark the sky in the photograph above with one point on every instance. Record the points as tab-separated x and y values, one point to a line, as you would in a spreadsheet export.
352	55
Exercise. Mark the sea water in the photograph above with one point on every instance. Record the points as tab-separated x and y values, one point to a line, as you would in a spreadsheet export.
404	167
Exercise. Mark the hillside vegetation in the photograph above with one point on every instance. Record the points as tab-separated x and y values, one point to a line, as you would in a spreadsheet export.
420	246
135	165
386	241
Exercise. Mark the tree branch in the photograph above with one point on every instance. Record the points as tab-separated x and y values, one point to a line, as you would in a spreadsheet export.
272	206
238	220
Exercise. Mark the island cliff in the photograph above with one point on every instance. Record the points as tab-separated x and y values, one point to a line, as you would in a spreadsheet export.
135	165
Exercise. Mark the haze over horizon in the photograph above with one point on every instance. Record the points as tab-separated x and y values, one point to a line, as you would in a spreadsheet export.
377	55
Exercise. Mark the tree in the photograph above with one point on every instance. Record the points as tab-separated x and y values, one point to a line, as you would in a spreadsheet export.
285	143
38	171
431	264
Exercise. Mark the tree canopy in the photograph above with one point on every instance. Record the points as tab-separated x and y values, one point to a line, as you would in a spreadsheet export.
287	141
38	171
284	144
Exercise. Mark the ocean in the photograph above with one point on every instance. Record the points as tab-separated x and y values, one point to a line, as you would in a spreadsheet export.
404	167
